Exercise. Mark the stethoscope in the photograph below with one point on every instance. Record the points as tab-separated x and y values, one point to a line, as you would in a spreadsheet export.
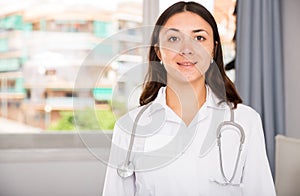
126	169
242	140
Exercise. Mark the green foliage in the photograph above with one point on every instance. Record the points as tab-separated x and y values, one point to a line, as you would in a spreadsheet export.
85	120
106	119
65	123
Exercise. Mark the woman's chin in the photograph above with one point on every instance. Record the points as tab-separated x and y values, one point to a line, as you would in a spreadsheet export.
186	78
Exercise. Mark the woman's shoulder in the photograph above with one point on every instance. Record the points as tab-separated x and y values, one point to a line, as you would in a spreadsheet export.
246	112
245	108
127	119
124	126
132	113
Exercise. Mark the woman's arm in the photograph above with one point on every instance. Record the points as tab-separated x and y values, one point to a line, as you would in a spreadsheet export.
257	178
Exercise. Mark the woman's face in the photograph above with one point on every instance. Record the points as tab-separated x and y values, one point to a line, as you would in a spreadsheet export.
186	47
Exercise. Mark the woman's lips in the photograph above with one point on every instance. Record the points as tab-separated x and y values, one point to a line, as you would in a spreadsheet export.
186	63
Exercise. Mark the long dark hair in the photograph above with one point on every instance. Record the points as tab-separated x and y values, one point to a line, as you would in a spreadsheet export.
157	75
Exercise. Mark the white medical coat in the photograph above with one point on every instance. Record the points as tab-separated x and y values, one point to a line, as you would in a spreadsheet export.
171	158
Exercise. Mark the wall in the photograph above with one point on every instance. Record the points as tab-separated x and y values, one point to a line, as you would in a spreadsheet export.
291	43
53	164
59	178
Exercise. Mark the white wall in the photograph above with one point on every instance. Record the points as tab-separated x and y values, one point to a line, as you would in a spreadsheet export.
49	178
291	42
53	164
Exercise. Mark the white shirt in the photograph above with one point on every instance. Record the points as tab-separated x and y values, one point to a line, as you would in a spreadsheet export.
171	158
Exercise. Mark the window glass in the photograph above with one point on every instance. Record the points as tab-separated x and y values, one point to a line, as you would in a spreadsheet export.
44	44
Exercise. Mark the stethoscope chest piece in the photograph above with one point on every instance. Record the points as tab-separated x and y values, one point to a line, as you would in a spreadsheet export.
125	170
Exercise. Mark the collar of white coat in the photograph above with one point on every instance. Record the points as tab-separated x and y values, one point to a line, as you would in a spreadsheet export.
212	101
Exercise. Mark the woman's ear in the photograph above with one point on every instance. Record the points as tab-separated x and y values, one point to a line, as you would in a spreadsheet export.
157	51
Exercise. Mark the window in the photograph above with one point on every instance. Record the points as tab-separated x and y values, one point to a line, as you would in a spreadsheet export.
42	48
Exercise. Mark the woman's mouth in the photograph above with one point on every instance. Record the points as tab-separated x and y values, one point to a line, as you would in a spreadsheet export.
186	63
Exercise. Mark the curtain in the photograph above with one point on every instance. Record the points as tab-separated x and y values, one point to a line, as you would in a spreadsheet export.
259	65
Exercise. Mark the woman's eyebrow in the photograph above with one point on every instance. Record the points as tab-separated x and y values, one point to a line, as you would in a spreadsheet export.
199	30
177	30
172	29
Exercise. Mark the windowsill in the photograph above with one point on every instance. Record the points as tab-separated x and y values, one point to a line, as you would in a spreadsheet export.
52	155
97	139
61	146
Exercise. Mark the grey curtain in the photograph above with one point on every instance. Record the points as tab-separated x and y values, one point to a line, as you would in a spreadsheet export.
259	65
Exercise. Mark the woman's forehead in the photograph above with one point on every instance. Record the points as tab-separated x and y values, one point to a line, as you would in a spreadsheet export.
187	21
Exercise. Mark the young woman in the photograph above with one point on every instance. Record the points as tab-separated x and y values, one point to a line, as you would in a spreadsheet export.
173	144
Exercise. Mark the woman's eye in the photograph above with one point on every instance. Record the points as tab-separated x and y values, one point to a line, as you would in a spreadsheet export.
173	39
200	38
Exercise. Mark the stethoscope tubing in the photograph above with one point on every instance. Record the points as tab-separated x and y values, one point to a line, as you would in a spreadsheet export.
242	140
126	169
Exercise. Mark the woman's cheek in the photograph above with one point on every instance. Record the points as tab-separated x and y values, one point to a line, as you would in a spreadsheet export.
168	56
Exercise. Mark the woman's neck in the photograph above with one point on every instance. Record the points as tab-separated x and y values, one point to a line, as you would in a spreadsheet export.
185	99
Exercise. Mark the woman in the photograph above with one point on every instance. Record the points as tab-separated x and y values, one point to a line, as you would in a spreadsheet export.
185	97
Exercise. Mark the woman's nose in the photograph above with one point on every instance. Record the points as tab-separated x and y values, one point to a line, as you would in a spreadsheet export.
186	46
186	51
